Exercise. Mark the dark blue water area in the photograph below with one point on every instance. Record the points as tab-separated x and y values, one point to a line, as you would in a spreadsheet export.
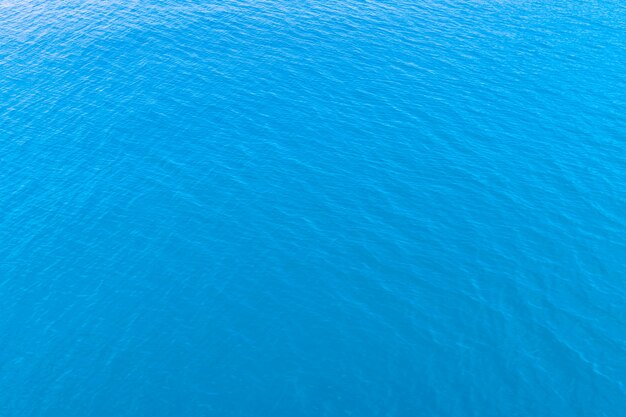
312	208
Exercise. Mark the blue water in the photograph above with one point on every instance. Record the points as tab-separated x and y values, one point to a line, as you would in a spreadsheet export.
312	208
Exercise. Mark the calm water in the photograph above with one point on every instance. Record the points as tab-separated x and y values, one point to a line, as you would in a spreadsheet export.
312	208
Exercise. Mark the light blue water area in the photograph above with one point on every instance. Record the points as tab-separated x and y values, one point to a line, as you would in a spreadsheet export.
312	208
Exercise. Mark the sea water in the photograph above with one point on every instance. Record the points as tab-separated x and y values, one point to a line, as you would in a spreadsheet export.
312	208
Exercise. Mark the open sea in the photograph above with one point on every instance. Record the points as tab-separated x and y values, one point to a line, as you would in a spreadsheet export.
299	208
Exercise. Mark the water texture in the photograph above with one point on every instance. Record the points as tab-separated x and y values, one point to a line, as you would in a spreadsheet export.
312	208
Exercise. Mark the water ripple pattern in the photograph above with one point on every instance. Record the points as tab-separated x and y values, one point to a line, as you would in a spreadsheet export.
367	208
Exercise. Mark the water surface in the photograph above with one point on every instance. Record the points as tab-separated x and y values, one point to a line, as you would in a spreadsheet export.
312	208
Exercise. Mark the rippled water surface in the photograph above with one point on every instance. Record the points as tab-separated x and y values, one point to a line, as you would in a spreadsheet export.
312	208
